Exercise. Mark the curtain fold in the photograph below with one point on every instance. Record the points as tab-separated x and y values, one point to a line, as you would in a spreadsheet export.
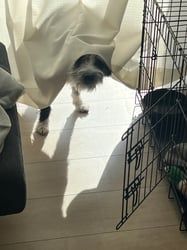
10	90
44	38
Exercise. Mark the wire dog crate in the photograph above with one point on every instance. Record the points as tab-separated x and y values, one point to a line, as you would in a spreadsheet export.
156	143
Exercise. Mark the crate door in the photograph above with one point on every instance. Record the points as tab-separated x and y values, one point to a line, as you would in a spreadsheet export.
143	169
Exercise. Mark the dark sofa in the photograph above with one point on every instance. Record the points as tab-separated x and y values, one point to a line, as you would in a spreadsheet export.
12	178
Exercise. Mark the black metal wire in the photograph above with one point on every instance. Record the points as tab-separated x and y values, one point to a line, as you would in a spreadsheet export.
163	124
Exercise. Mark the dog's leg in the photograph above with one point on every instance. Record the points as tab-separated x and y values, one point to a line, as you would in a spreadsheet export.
42	126
80	107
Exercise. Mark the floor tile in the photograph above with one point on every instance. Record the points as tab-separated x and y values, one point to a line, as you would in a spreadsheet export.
73	144
84	214
75	176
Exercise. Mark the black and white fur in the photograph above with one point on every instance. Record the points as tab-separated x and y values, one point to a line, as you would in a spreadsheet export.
88	71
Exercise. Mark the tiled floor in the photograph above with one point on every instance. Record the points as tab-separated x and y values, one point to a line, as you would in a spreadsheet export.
74	178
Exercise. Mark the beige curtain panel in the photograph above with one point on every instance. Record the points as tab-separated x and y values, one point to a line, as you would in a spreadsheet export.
45	37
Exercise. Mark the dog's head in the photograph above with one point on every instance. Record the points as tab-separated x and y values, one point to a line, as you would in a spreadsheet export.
88	71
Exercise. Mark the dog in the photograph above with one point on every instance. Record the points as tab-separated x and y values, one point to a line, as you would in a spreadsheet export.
85	74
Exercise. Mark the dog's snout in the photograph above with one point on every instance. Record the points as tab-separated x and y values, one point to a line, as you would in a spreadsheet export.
92	77
89	78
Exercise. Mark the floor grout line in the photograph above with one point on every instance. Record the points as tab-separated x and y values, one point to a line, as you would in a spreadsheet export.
82	194
161	187
74	159
91	234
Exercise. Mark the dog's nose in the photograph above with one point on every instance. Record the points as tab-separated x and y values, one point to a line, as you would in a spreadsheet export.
89	78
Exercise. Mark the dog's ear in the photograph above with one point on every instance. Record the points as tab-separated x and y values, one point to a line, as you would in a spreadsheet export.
100	64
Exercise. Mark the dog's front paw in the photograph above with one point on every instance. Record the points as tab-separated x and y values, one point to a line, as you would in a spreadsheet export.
83	109
42	128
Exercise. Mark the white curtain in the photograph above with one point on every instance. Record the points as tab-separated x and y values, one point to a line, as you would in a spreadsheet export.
45	37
